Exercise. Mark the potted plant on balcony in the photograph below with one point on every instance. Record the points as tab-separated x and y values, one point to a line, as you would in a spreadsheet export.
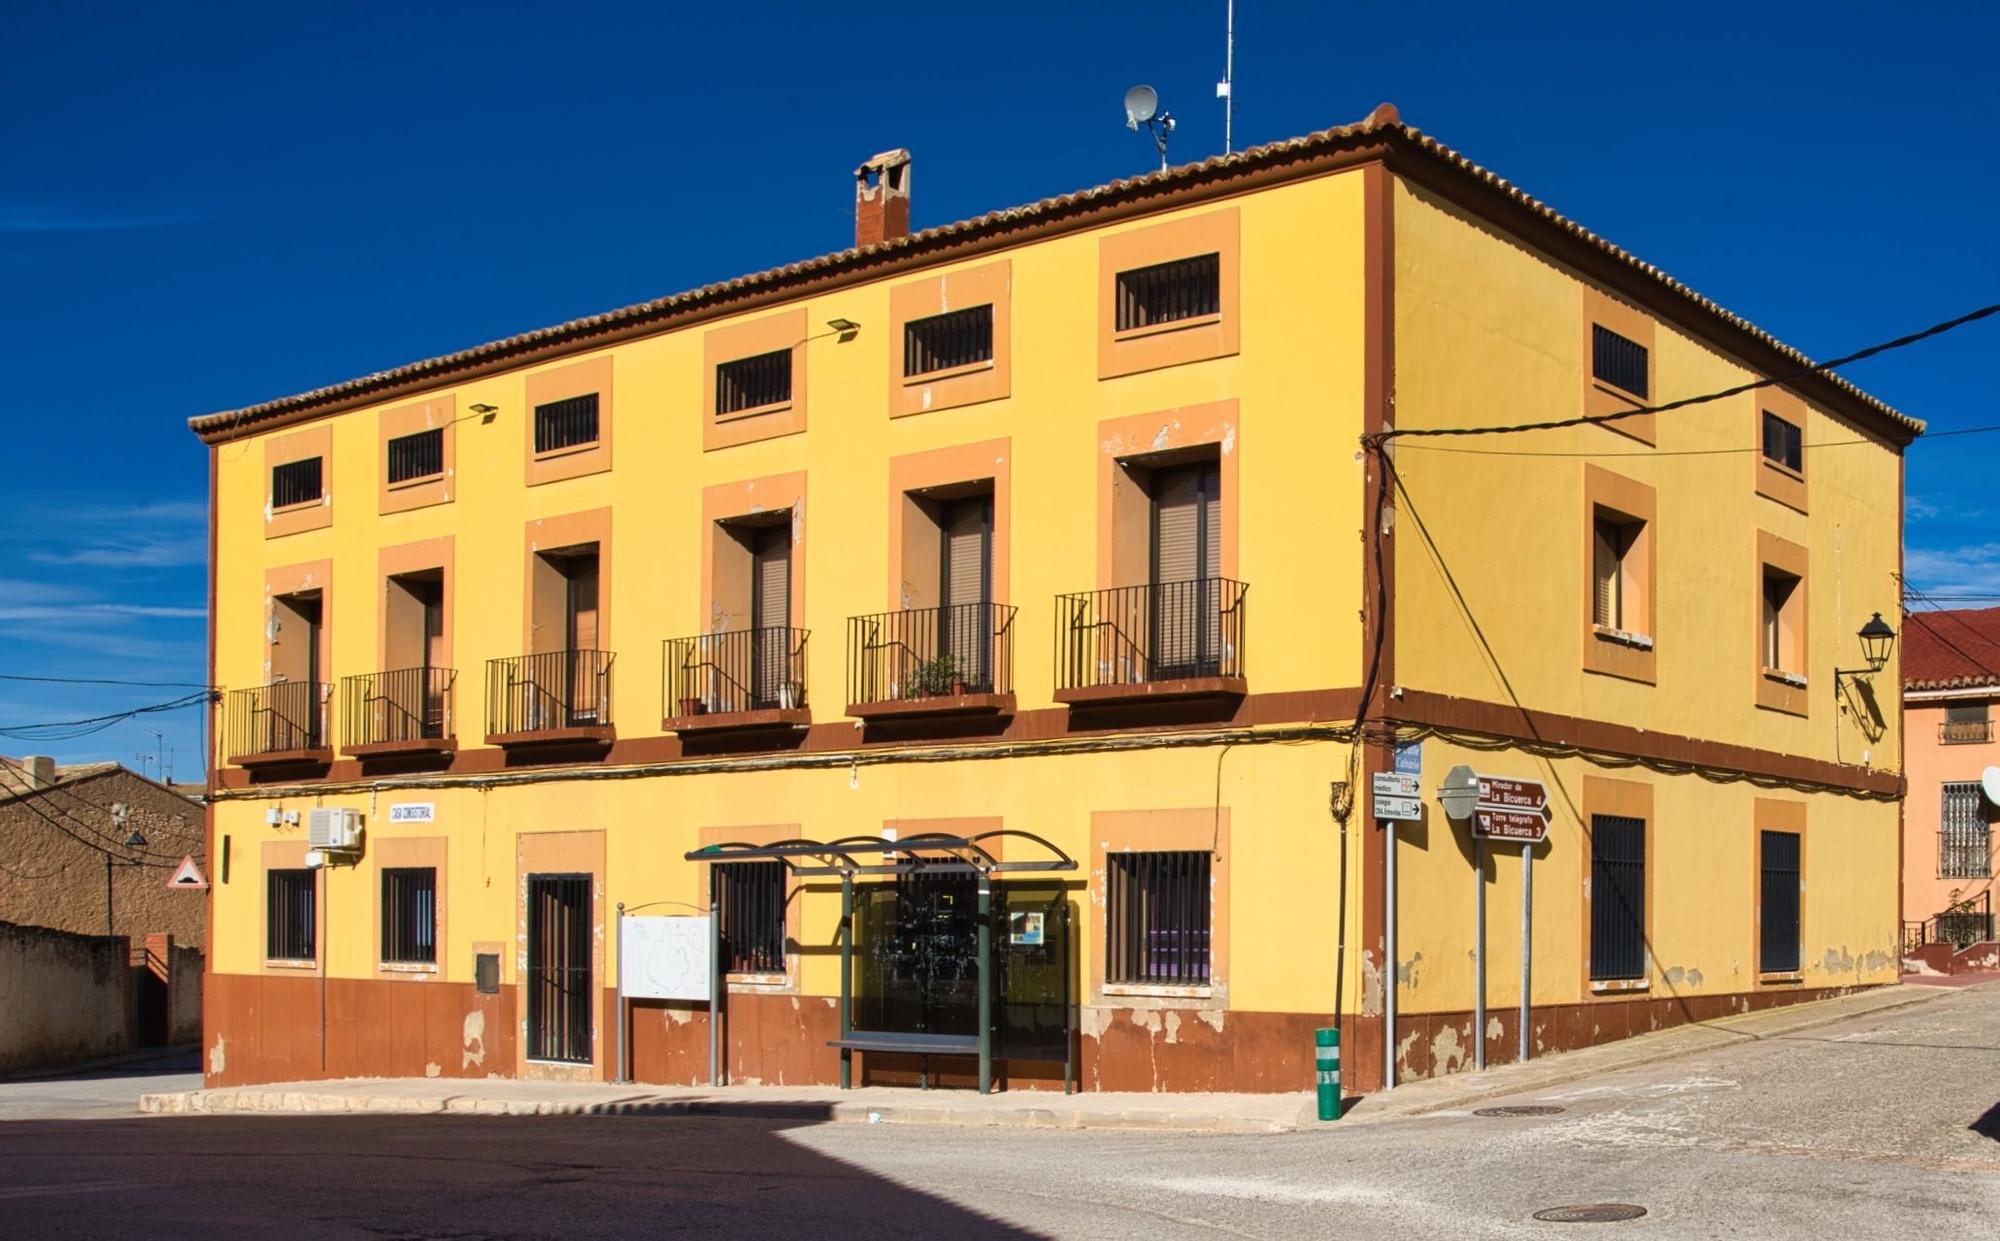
692	704
935	677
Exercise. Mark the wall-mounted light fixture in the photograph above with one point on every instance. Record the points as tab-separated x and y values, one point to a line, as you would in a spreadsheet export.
846	327
1877	640
485	411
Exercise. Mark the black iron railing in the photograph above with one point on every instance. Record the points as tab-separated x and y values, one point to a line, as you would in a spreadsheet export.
408	704
1965	732
741	670
1166	631
552	690
280	718
1970	921
966	648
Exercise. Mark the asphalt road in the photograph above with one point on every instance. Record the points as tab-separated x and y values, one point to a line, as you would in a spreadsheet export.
1881	1126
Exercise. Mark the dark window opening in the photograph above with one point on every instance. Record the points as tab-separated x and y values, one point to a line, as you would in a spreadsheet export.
290	924
751	896
1778	903
1618	361
1166	292
752	383
296	482
416	456
1612	569
1617	897
486	973
943	342
409	915
1780	624
1784	443
1157	918
569	423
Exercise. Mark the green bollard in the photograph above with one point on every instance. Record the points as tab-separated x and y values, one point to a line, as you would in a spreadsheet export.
1326	1049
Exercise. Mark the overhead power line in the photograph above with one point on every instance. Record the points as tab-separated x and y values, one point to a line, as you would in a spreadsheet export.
1585	420
70	730
9	676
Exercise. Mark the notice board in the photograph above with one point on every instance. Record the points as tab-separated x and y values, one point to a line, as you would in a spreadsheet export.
664	958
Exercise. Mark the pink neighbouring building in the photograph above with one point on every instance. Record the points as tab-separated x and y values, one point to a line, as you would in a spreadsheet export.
1951	681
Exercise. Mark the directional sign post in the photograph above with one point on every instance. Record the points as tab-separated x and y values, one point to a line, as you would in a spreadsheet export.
1398	798
1514	809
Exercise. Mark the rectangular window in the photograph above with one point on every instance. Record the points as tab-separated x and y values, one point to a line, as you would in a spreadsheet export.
290	924
1157	918
1966	724
409	915
412	457
569	423
1965	845
1783	443
948	341
1617	897
754	382
296	482
1169	292
1618	361
1613	569
1778	904
1781	622
752	900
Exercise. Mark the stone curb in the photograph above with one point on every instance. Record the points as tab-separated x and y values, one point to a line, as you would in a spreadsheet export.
292	1102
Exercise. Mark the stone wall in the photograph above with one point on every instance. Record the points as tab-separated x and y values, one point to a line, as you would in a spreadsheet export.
63	997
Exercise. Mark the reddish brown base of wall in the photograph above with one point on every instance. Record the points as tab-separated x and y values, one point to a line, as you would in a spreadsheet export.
1434	1044
266	1028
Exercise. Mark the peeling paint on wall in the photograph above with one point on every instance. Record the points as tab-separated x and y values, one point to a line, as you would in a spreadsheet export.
1371	984
218	1057
473	1036
1407	972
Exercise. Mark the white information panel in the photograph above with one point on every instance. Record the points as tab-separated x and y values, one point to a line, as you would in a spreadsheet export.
664	958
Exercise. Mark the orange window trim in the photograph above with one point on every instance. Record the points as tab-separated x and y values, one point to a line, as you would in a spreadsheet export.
1775	692
314	441
1183	340
548	534
1609	652
401	560
438	413
990	284
1204	829
558	384
1123	544
1600	398
703	897
915	473
770	334
746	499
1774	480
1628	799
1773	815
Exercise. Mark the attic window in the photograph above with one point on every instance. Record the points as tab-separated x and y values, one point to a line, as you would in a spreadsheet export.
1188	288
1783	443
753	382
948	341
1618	361
570	423
297	482
418	456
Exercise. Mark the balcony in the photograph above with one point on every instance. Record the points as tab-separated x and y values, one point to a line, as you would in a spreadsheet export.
1150	643
1965	732
741	679
956	660
278	724
406	711
554	698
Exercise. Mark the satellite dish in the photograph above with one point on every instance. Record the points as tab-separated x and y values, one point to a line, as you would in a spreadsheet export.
1142	104
1989	783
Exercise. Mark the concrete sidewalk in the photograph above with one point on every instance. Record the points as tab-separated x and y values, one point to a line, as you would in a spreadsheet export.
1197	1113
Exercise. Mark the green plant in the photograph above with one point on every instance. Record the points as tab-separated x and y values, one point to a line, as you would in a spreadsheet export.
931	677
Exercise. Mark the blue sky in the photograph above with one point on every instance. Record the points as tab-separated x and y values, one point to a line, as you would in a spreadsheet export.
205	206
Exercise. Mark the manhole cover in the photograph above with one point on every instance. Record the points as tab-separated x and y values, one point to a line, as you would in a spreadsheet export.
1591	1213
1519	1109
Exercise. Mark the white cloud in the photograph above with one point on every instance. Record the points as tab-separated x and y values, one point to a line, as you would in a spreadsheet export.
90	532
83	611
1972	569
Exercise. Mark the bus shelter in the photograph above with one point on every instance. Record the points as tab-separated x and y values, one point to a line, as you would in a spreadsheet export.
946	947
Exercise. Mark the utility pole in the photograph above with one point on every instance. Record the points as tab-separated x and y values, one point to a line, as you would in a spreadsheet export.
1225	90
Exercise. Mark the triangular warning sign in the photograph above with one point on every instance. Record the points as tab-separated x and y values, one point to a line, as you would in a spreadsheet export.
188	875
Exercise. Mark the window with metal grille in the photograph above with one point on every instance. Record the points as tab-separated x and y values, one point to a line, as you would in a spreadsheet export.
569	423
1618	361
1166	292
1617	897
752	900
416	456
1965	844
1157	918
560	991
752	383
1966	724
409	915
1784	442
290	925
947	341
1778	904
296	482
1612	568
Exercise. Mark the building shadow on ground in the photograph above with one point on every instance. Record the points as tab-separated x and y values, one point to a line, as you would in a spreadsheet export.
470	1178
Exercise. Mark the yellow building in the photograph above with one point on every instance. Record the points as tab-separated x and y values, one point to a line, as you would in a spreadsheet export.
1066	546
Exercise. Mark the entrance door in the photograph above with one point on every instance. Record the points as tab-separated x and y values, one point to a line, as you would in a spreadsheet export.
770	615
580	624
293	699
559	973
1187	558
965	581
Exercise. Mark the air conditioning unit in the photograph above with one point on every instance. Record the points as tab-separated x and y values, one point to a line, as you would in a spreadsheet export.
337	830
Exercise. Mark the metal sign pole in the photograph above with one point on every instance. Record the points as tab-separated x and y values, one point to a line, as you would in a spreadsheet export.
1527	936
1389	951
1479	954
621	993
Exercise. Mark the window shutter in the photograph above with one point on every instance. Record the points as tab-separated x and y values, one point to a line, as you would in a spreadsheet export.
965	551
1606	604
1176	526
771	611
582	573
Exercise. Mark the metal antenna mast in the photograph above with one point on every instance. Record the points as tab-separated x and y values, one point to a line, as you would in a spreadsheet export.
1225	90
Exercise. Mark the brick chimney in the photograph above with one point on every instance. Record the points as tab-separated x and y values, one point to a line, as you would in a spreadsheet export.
40	770
882	198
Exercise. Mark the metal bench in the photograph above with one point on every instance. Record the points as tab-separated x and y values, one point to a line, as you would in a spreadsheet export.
909	1044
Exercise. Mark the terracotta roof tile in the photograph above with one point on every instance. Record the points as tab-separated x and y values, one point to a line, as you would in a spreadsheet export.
1383	124
1957	649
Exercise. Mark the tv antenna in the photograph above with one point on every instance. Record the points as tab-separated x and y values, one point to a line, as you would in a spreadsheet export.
1142	107
1225	90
